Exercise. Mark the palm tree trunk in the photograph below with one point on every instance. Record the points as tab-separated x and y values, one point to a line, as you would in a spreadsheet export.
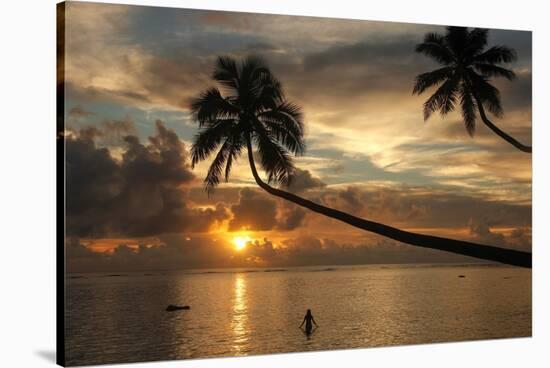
499	132
508	256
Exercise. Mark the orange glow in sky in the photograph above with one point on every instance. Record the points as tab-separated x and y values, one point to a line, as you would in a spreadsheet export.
240	242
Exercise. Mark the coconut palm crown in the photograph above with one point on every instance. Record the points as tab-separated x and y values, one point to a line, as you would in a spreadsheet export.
252	110
464	80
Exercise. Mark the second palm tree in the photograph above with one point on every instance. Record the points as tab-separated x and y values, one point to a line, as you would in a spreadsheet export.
464	77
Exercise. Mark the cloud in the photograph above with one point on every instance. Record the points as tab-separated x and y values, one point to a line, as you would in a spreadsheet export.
258	211
290	216
255	211
143	194
353	78
170	252
482	231
369	154
366	53
263	47
109	133
435	210
78	111
180	251
438	211
302	180
351	197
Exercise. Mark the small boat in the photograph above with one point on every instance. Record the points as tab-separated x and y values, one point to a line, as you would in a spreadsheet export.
172	307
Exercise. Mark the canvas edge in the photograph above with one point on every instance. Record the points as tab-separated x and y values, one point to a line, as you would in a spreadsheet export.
60	183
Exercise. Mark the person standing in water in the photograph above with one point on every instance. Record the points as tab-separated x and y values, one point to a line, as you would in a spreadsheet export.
308	319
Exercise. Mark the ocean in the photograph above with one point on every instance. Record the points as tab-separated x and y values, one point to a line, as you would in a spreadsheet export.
121	317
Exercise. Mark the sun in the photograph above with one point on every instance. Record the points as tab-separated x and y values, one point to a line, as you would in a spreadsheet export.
240	242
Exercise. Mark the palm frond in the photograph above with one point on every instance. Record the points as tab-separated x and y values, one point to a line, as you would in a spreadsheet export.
496	55
251	63
426	80
434	46
456	39
477	40
211	106
208	139
487	93
443	99
215	170
468	109
226	72
287	138
274	158
250	69
267	92
491	70
285	125
237	144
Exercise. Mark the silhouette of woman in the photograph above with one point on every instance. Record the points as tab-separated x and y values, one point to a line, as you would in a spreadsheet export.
308	318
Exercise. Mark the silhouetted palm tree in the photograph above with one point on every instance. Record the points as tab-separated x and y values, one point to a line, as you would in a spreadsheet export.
254	111
465	77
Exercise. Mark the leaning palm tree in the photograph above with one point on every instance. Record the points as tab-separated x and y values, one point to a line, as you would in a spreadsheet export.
464	79
254	112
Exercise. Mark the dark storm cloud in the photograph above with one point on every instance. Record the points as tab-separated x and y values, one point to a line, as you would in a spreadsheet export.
140	195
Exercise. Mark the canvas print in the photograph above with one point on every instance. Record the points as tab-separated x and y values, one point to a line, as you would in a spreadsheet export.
234	184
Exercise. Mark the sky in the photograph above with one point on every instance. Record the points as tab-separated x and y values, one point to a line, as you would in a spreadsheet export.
135	203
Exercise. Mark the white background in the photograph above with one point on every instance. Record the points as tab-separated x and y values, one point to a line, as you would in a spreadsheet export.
27	180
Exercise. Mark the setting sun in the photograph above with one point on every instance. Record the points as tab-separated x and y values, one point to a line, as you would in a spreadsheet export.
240	242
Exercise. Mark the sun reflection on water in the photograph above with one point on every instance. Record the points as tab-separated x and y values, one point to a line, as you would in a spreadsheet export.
240	317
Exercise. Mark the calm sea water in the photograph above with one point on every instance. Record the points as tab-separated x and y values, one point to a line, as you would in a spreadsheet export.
115	318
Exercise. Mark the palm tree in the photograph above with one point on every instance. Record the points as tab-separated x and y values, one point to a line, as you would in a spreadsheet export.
254	111
465	77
